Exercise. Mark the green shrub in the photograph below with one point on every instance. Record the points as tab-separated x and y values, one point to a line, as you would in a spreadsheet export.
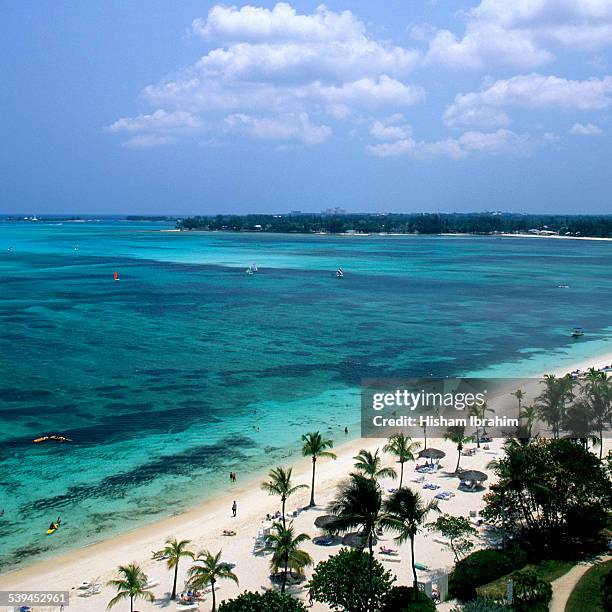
530	593
402	599
479	568
270	601
343	581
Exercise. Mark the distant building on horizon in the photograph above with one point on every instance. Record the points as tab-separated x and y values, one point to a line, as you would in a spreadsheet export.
334	211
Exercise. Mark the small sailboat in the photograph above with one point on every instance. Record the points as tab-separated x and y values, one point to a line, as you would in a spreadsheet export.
577	332
249	271
562	286
116	276
254	267
339	273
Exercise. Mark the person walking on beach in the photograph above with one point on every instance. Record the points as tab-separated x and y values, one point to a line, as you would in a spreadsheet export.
234	508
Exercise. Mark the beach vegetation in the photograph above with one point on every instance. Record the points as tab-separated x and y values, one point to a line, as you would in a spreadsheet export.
270	601
208	569
479	568
172	553
371	465
287	556
456	434
405	599
280	484
130	585
404	450
529	592
553	494
458	530
351	581
315	446
404	223
553	400
358	507
405	514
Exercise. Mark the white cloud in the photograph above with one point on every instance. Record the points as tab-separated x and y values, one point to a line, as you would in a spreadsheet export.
588	129
288	127
472	142
391	128
147	141
279	24
530	91
521	33
159	120
275	62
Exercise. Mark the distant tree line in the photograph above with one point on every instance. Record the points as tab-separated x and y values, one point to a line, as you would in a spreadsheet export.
412	223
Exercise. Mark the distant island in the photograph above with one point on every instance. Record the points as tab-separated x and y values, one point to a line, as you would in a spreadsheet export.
407	223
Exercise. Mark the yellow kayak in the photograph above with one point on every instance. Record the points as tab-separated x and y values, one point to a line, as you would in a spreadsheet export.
53	530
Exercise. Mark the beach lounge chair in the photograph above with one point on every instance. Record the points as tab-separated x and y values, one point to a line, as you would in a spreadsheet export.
84	585
419	479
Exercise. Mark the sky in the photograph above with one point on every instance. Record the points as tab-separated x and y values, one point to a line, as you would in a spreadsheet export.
163	107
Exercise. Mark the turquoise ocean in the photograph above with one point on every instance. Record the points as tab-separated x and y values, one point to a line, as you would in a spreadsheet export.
188	368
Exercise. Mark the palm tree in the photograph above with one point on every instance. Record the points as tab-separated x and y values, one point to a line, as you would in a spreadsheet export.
315	446
456	434
597	393
405	513
358	506
209	572
403	448
130	586
530	413
171	554
286	553
371	465
551	402
520	395
280	484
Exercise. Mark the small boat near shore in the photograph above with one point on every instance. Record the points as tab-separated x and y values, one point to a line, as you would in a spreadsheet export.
339	273
577	332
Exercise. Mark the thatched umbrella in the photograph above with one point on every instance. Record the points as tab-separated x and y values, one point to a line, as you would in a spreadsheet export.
472	476
356	540
432	453
322	521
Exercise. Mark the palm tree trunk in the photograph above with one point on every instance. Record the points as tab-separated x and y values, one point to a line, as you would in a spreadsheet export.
312	499
477	437
401	473
214	598
415	583
285	573
425	436
371	574
600	443
458	459
131	604
283	500
174	583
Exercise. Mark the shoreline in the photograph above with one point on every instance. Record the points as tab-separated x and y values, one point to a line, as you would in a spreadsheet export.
387	234
212	514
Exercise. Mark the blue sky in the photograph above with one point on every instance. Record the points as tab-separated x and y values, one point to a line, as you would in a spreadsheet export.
198	107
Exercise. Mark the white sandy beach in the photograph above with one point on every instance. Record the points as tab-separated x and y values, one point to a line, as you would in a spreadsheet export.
203	525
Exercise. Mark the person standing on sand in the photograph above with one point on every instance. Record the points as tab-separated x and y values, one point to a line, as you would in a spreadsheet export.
234	508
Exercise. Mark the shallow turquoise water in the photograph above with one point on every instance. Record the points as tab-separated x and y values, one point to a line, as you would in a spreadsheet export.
163	378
